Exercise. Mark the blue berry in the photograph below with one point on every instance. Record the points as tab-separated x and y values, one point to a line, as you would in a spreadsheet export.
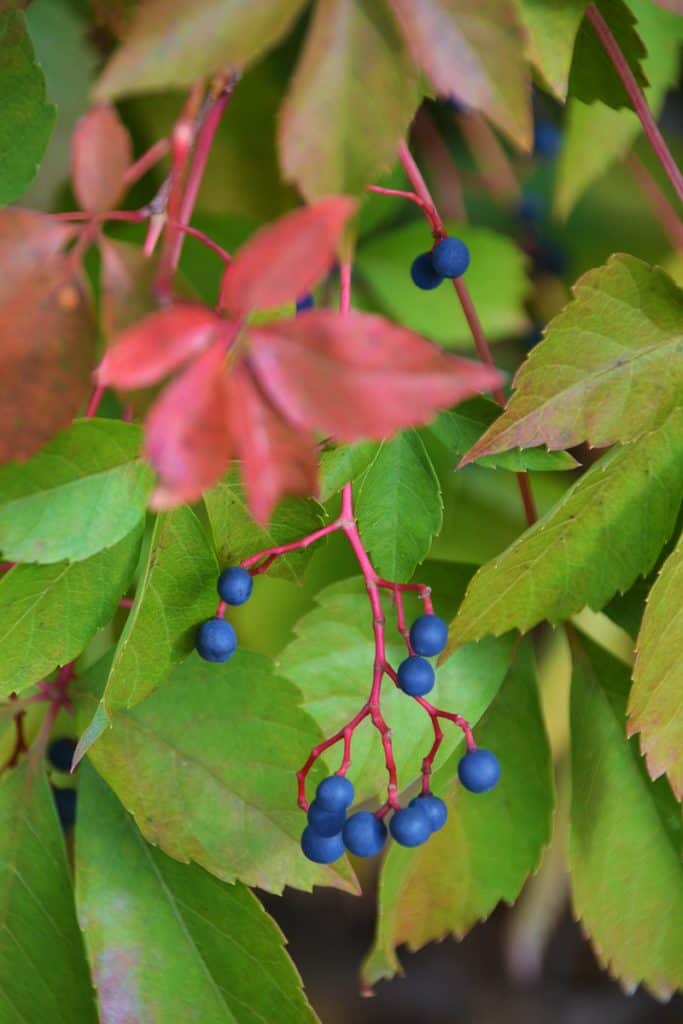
61	752
423	273
479	770
216	640
415	676
428	635
434	808
65	801
549	256
364	834
335	793
321	849
305	303
450	257
547	138
235	585
410	826
325	823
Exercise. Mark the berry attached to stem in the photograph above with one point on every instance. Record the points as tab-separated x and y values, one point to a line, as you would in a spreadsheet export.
216	640
364	834
428	635
235	585
423	273
479	770
335	793
450	257
411	826
415	676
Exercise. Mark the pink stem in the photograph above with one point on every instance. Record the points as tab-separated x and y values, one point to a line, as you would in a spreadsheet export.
94	403
146	161
663	209
621	66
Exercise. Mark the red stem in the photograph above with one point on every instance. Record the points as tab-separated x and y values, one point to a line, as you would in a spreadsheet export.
146	161
663	209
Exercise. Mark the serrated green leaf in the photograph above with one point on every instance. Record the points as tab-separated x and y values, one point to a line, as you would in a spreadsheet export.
330	660
490	843
609	369
592	76
605	532
207	767
237	535
625	834
551	29
655	701
42	960
26	118
344	464
49	613
496	279
398	506
83	492
187	946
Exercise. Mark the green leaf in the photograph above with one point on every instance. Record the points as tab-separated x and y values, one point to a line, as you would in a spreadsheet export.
177	590
330	660
551	30
83	492
609	369
398	506
49	613
26	117
42	961
605	532
352	97
237	535
341	465
496	279
187	946
207	767
459	429
625	836
592	76
490	843
655	701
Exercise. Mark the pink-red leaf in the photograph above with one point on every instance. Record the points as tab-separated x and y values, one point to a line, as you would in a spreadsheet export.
188	433
359	375
101	153
155	346
28	240
287	258
127	280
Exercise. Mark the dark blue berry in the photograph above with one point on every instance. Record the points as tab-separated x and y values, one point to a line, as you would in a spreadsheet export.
428	635
423	273
61	752
65	801
549	257
434	808
216	640
305	303
235	585
415	676
479	770
321	849
325	823
364	834
410	826
335	793
547	138
450	257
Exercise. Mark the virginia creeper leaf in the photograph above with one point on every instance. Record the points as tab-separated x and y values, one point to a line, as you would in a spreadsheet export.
171	44
101	153
625	836
27	118
551	30
343	464
609	369
42	960
206	766
83	492
286	259
350	102
592	76
615	519
473	49
459	876
655	700
399	506
28	240
187	945
126	281
50	612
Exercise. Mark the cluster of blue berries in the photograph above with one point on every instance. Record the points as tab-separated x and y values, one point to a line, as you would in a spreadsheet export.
428	636
216	639
449	258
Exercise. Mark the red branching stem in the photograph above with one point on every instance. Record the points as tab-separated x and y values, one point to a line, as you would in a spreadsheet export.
144	163
94	402
635	94
659	202
254	564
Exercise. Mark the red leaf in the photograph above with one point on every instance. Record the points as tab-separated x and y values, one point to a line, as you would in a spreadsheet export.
28	240
187	431
277	458
127	280
287	258
157	345
359	375
101	154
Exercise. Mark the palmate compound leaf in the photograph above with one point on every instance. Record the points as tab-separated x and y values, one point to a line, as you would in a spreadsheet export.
625	836
609	369
101	152
598	539
42	960
186	946
490	843
656	700
206	765
82	493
